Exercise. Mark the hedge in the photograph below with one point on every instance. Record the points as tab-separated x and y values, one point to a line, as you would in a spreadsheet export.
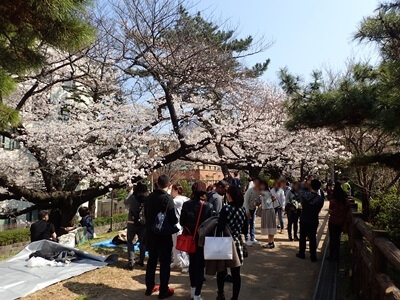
13	236
118	218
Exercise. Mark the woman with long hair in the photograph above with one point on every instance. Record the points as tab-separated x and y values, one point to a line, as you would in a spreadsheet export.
268	219
180	259
339	208
232	214
191	210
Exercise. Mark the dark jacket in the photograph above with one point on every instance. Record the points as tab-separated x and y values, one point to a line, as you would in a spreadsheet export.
158	201
87	222
135	206
311	205
190	211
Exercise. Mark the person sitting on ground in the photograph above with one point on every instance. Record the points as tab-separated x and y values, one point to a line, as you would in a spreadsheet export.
86	221
42	229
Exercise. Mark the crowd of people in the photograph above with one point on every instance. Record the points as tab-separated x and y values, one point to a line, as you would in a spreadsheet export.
277	203
159	217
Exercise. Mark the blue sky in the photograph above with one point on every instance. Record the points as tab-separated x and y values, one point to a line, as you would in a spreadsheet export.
307	34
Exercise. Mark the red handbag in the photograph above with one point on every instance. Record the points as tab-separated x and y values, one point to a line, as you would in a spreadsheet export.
186	242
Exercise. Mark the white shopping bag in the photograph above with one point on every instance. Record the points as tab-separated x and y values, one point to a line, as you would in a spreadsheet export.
218	248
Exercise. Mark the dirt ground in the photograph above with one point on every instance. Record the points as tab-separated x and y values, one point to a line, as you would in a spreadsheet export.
266	274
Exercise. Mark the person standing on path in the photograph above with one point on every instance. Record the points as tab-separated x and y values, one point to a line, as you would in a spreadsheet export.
136	223
159	246
217	197
339	208
268	218
278	195
292	210
250	198
234	215
312	204
190	214
180	258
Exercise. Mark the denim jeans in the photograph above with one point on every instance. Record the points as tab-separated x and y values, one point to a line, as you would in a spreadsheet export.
280	217
252	222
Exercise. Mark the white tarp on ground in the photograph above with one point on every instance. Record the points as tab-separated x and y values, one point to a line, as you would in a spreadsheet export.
18	280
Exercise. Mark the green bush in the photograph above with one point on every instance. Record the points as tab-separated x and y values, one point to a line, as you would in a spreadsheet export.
385	214
13	236
118	218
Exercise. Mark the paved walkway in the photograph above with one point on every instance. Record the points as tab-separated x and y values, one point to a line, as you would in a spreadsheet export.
266	274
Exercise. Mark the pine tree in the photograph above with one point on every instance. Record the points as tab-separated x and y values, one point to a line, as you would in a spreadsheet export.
25	27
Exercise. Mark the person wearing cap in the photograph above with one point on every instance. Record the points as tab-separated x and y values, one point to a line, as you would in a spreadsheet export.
217	197
43	229
188	220
159	246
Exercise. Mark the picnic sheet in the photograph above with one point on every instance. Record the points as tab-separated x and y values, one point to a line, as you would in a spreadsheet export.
18	280
110	244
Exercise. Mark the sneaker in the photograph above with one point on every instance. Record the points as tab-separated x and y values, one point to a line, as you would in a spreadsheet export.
185	270
301	256
167	294
296	239
249	243
156	288
255	242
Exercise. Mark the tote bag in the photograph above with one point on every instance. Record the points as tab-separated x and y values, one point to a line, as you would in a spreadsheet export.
218	248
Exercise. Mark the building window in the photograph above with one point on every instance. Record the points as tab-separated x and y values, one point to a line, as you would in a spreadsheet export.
8	144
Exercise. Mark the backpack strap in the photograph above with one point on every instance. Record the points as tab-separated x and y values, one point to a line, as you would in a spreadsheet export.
198	220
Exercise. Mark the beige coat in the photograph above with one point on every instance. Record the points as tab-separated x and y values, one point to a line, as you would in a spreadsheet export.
213	266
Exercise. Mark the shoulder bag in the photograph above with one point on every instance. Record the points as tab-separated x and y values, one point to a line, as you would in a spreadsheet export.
186	242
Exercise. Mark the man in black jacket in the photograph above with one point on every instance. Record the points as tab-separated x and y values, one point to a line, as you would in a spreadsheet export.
311	204
159	246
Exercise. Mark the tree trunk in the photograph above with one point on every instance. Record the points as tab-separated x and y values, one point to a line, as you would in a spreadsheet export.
92	206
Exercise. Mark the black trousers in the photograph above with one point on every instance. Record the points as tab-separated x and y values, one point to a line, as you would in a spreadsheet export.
160	250
308	229
139	231
293	222
196	269
236	280
334	240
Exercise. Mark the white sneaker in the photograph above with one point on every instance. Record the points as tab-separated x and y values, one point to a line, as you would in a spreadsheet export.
249	243
197	298
185	270
255	242
192	291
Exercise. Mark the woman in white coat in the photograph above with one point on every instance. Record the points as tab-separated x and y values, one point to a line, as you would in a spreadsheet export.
268	219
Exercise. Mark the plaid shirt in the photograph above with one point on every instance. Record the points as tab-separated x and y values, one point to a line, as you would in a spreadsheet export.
235	218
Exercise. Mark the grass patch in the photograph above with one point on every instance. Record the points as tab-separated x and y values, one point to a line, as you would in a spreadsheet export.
82	297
